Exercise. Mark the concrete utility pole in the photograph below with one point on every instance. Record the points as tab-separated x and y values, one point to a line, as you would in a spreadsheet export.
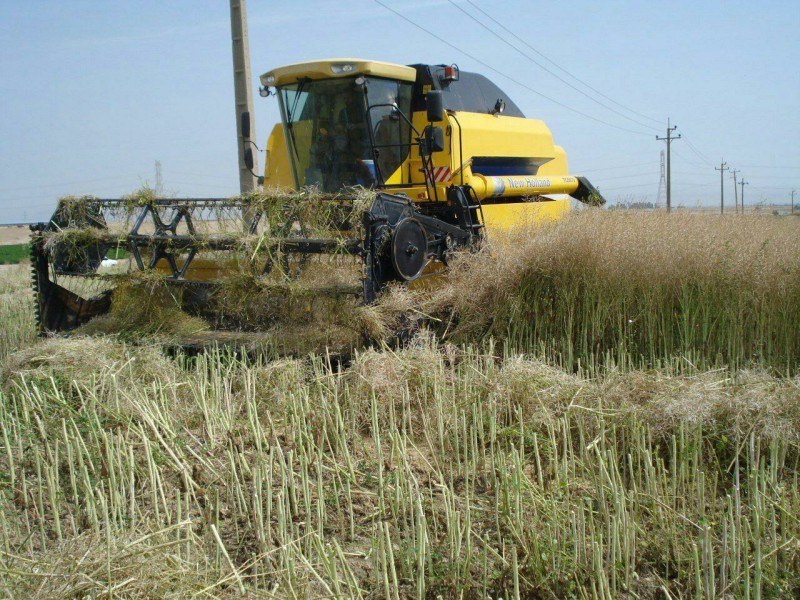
793	201
722	168
669	139
743	183
735	192
159	180
243	91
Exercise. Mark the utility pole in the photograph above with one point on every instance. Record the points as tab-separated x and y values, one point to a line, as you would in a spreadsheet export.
722	168
669	140
793	201
661	182
159	180
743	183
735	192
242	88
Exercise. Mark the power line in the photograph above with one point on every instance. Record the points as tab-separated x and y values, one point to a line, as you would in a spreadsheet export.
544	68
689	162
552	62
697	152
505	75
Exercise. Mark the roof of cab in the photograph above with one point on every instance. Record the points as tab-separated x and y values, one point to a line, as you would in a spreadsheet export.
324	69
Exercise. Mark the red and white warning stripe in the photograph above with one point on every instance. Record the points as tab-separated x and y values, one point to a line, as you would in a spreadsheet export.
439	175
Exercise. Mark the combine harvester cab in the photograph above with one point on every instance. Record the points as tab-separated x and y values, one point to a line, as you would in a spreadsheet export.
375	175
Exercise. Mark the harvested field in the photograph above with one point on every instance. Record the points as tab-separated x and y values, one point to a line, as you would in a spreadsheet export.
414	473
16	309
12	235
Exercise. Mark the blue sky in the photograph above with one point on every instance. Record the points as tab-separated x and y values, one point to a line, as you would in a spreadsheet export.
93	93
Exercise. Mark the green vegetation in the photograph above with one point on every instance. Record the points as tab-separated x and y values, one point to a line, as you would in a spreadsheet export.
580	459
117	253
14	253
17	253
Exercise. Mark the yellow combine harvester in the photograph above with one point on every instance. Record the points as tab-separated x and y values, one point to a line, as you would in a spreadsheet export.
430	133
450	157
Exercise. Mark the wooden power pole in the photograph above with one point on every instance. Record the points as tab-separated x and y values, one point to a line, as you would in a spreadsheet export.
722	168
243	92
669	139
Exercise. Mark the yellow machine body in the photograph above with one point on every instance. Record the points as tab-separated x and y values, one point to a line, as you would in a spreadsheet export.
508	199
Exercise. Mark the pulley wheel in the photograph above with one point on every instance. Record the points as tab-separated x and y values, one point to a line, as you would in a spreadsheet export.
409	249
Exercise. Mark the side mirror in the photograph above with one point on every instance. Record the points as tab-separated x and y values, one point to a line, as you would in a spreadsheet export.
435	104
434	139
248	158
245	124
499	107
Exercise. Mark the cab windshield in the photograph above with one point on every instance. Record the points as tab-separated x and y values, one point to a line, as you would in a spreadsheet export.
344	132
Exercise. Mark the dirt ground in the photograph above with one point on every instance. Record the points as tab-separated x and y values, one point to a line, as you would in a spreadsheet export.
14	234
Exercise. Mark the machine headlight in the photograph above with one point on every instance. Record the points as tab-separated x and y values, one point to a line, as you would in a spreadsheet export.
269	79
342	68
